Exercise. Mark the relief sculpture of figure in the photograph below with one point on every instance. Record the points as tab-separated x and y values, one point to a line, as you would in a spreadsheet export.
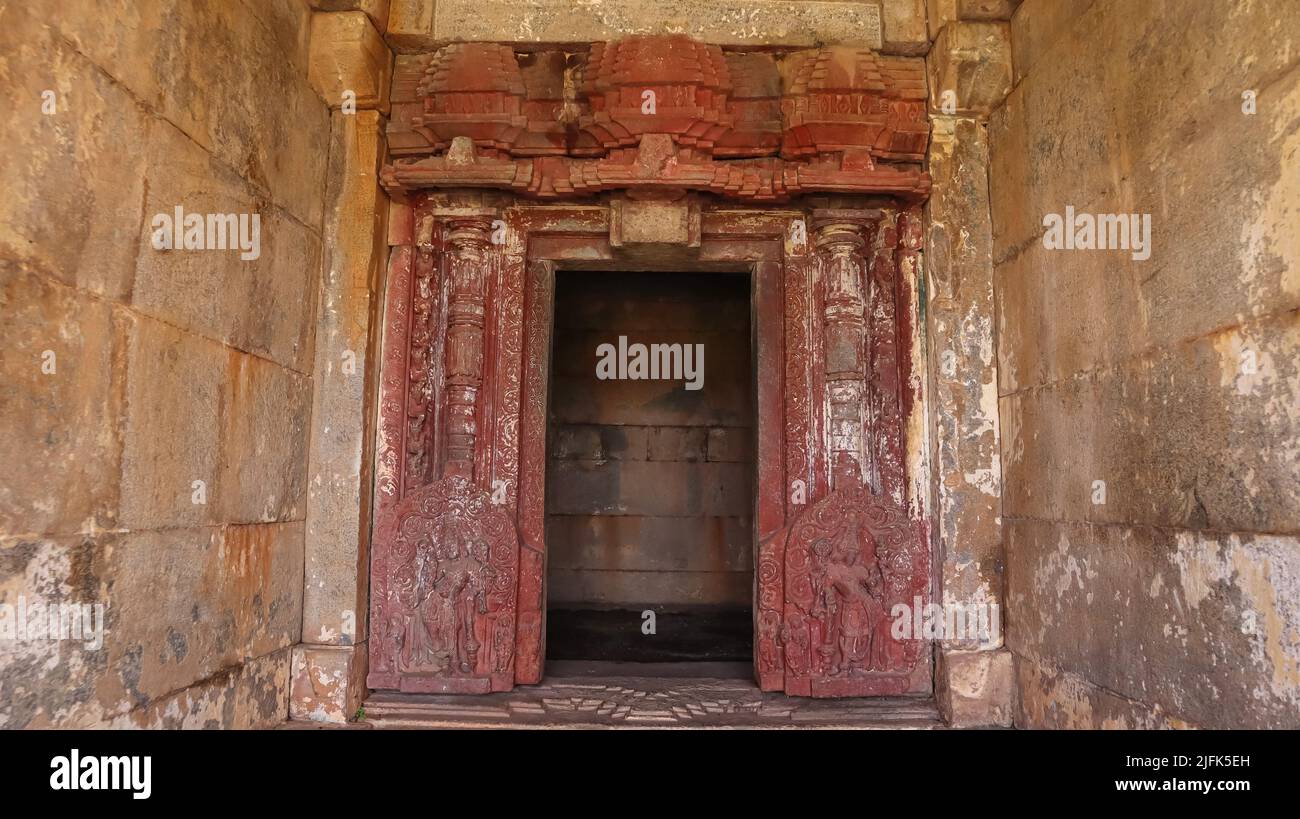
848	585
461	585
449	613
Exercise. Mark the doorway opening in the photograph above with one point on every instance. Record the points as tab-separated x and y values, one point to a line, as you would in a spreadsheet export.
650	474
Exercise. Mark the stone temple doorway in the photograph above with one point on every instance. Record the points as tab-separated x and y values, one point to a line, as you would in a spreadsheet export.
650	501
661	154
459	572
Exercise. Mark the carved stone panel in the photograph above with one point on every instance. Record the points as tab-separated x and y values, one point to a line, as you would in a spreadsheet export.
449	607
849	559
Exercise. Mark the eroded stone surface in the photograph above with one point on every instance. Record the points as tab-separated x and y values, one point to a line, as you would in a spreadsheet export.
963	370
335	605
349	57
166	367
328	683
1149	406
974	689
969	68
422	24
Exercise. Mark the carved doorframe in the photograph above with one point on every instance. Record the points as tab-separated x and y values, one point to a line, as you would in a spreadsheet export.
487	429
830	138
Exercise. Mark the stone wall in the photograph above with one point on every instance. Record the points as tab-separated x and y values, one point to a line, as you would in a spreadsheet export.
154	421
1149	407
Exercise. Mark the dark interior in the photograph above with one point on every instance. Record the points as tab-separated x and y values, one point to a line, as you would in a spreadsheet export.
650	484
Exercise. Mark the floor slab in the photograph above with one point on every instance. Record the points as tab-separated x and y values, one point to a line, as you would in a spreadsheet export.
620	701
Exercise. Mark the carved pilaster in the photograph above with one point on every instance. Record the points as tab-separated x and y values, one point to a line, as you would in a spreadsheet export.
840	236
467	243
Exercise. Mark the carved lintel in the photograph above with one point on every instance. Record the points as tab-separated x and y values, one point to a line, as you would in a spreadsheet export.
467	239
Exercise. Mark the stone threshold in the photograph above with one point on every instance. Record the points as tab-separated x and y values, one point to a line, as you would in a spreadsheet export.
643	695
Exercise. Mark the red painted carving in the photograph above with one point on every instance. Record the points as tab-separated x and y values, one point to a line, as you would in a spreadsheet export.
425	364
458	567
532	463
660	113
855	101
839	238
467	263
849	559
450	597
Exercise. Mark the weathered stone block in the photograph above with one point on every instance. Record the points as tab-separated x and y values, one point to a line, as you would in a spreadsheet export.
973	61
986	9
963	370
905	27
1158	430
415	25
649	588
1200	625
185	603
376	10
73	196
974	689
580	442
328	682
170	438
264	414
730	444
648	543
335	604
1049	698
349	55
1036	25
205	67
942	12
652	488
250	696
260	300
677	443
633	221
53	682
62	354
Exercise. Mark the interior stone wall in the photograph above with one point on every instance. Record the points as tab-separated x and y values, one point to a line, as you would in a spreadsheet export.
169	366
1174	599
650	485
